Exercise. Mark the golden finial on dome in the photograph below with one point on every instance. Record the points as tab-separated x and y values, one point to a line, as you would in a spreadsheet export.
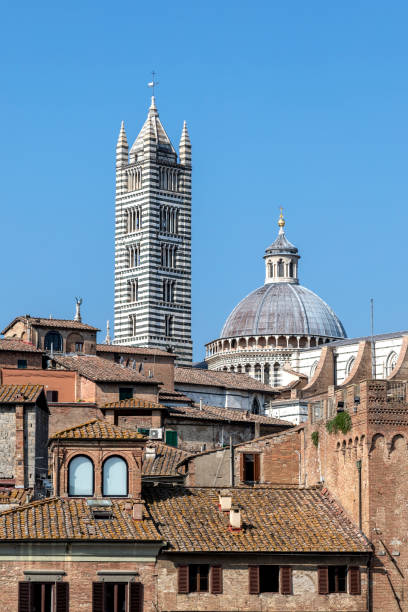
281	221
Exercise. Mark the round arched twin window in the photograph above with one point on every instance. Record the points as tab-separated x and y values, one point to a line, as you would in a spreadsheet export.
81	477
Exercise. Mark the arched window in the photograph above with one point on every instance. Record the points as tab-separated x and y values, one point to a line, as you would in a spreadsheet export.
270	269
256	409
313	368
276	375
81	476
391	362
280	268
350	365
53	341
115	477
291	269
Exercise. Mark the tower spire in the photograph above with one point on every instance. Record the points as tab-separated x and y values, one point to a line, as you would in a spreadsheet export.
281	258
185	146
122	147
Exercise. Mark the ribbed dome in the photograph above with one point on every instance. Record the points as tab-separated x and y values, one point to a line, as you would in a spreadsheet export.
283	309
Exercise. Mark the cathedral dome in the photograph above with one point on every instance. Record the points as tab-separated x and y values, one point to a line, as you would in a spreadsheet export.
283	308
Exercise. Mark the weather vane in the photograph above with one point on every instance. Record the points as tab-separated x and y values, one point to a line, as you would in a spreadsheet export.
153	83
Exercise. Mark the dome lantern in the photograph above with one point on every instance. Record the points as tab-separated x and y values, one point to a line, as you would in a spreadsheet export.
281	258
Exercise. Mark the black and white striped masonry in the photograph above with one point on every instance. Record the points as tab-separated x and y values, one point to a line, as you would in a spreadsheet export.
153	240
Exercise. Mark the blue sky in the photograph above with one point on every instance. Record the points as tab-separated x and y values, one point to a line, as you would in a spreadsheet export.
294	104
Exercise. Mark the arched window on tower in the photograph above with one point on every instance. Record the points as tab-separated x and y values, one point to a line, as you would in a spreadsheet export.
115	477
280	269
81	476
270	270
291	269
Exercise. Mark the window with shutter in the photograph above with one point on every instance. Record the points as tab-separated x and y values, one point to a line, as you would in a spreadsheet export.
98	597
216	580
253	579
354	581
183	579
257	468
286	580
135	597
62	596
323	580
269	578
337	578
24	596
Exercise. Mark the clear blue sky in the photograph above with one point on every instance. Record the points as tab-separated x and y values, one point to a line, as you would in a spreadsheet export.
299	104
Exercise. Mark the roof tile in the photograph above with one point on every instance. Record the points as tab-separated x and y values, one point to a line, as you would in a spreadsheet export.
213	378
22	394
99	369
97	430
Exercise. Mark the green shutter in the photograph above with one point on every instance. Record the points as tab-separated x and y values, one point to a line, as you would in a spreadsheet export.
171	438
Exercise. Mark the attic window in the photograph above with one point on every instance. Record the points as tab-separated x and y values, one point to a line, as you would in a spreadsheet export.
100	508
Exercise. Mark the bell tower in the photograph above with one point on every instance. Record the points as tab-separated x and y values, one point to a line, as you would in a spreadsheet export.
153	240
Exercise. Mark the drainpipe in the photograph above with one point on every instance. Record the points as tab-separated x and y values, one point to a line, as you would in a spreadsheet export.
358	465
231	462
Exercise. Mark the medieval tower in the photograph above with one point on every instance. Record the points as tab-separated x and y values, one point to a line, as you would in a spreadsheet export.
153	240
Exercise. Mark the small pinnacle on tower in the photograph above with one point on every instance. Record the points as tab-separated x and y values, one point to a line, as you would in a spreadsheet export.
108	338
281	221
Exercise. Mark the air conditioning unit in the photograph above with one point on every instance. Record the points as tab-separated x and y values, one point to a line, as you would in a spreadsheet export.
156	433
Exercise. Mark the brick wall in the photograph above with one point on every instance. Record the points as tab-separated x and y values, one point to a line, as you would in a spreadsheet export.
80	576
9	359
63	416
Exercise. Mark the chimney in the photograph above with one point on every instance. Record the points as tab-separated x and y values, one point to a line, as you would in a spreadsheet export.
150	452
225	501
235	522
137	511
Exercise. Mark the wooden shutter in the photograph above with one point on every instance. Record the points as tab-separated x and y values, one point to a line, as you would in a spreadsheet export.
135	597
216	579
98	604
62	596
286	580
323	580
253	579
24	597
241	468
257	467
354	581
183	579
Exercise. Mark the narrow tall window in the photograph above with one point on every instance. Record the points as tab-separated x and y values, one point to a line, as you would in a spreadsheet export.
270	270
168	324
280	268
276	375
132	325
133	290
81	476
134	179
134	258
168	290
291	269
115	477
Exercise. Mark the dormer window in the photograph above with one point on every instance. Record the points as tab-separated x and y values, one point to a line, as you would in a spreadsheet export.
81	476
115	477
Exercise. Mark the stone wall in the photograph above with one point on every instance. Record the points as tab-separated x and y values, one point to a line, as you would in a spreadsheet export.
9	359
235	596
7	441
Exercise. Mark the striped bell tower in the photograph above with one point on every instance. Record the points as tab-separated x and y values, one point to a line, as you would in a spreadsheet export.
153	240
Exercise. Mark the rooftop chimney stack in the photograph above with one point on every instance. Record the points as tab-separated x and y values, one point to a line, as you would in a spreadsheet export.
225	501
235	522
137	511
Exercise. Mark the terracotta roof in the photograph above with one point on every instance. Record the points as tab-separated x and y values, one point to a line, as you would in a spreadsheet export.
97	430
22	394
211	378
43	322
136	402
213	413
165	462
15	496
72	519
101	370
131	350
274	520
174	396
12	344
